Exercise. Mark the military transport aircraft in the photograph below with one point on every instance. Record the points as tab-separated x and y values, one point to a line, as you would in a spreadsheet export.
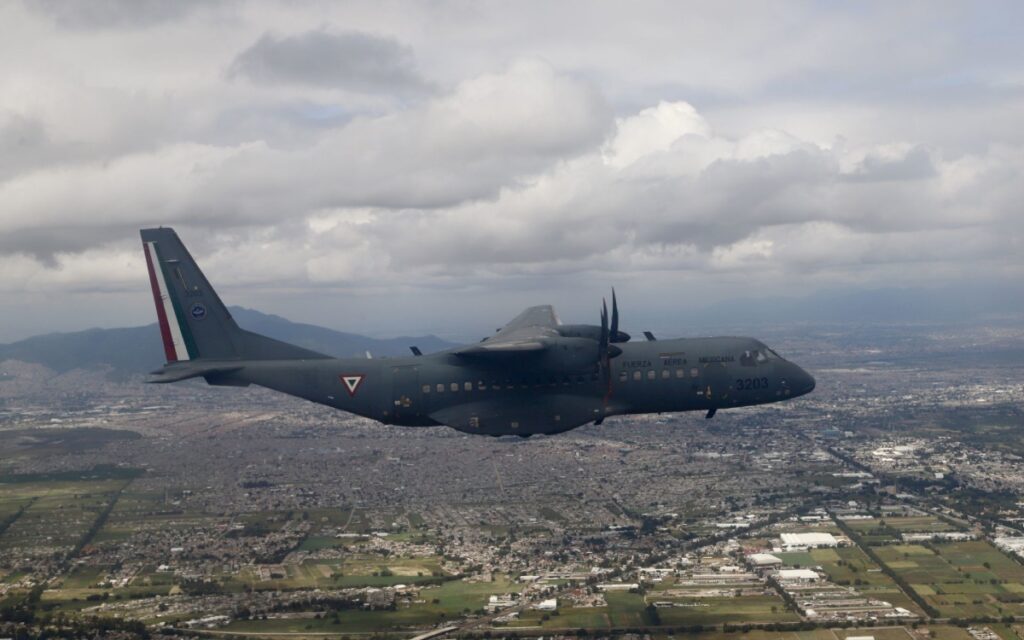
535	375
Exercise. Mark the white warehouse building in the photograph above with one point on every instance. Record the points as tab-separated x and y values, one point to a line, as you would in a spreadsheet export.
800	541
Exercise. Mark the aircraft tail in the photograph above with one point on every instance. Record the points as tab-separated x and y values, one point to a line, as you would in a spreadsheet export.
194	323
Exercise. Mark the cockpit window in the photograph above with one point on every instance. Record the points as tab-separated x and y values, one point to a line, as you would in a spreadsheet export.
754	357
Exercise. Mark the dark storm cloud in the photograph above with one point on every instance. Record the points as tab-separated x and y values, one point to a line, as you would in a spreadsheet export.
344	60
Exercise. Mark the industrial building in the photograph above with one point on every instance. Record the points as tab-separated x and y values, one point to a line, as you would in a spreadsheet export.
804	541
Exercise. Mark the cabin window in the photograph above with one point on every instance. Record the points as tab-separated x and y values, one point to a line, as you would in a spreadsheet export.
440	387
454	386
651	373
694	373
665	373
467	386
623	376
680	373
481	386
638	375
426	388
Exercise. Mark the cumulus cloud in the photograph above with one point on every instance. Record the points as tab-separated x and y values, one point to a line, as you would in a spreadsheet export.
486	134
303	153
344	60
475	183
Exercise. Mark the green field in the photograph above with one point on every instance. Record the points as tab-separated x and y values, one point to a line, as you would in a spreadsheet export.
734	610
798	559
60	512
960	579
627	610
354	571
913	523
849	566
453	600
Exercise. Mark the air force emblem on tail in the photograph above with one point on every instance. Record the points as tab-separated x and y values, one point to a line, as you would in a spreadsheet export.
351	382
198	311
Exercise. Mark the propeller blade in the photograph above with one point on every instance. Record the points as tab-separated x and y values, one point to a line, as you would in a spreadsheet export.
603	341
614	331
614	334
603	352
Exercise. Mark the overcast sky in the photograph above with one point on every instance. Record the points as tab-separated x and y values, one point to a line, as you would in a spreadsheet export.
394	168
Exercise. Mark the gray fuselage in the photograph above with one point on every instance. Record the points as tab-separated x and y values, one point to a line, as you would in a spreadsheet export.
691	374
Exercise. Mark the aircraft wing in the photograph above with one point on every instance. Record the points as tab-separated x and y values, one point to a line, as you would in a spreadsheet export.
542	316
530	331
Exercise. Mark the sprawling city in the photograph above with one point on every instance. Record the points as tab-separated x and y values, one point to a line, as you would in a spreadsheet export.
887	504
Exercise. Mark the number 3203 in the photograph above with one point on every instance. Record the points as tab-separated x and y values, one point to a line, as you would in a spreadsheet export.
746	384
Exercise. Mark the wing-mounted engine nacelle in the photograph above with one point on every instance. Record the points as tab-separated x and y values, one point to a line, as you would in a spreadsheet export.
590	332
569	355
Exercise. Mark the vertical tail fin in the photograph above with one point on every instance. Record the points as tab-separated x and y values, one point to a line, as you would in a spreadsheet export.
194	323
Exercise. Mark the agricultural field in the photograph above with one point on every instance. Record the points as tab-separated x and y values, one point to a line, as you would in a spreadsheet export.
902	524
850	566
624	610
1008	631
961	579
25	444
935	632
353	571
142	511
742	609
58	513
440	603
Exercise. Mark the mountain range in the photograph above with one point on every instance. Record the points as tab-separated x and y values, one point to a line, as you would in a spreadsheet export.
139	350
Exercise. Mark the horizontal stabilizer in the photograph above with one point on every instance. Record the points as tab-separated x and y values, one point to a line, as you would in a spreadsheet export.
176	372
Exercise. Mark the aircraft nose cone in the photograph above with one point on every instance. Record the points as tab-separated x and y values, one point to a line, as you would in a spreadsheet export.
803	382
799	381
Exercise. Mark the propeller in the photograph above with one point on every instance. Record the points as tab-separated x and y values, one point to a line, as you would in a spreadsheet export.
602	341
605	350
614	330
614	334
